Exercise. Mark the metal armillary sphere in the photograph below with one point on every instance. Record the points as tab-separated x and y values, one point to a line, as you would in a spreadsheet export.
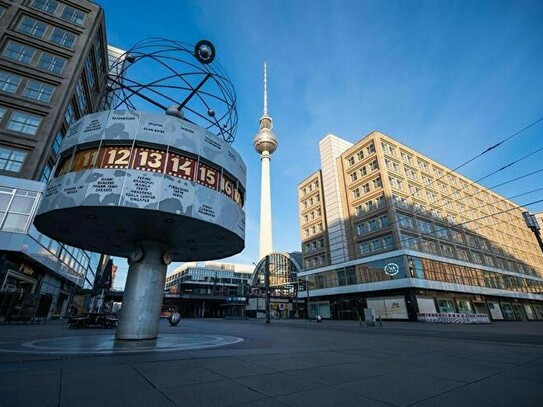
177	78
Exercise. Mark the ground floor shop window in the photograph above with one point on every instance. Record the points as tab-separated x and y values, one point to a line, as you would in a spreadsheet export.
446	306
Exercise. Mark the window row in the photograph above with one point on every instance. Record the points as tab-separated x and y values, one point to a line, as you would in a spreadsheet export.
360	154
20	122
64	11
372	225
28	55
313	200
364	189
315	261
44	31
377	245
388	149
314	245
35	90
313	185
308	217
313	230
363	171
370	205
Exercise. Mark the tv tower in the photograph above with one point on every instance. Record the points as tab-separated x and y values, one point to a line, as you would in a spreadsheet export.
265	143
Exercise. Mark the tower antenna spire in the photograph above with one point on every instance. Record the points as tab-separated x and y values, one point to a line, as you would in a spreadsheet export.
265	89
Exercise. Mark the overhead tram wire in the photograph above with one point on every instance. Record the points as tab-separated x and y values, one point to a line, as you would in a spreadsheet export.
478	219
459	225
477	193
492	173
487	150
353	245
444	198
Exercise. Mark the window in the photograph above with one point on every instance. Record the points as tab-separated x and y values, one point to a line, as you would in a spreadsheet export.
383	221
424	227
356	193
400	201
441	233
9	82
363	171
32	27
46	173
350	160
360	155
404	221
62	37
388	243
69	118
414	190
376	244
19	52
2	9
24	123
73	15
447	250
388	149
370	148
49	6
424	166
358	210
392	165
377	183
462	254
11	160
411	174
89	71
366	187
395	183
374	165
372	224
39	91
361	229
2	113
81	97
406	158
51	63
426	180
354	176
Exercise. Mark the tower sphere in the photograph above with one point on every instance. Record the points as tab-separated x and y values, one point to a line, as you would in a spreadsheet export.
265	140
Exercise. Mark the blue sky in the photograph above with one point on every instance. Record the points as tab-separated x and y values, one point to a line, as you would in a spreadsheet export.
448	79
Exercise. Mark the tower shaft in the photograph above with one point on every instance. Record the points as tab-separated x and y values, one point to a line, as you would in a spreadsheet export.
266	244
265	143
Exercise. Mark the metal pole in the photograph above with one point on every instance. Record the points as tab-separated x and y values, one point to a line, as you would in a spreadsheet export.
307	289
267	286
538	237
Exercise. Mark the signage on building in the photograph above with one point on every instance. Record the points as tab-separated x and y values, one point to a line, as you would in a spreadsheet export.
391	269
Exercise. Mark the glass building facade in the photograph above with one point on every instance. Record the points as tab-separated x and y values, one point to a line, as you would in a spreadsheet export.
53	70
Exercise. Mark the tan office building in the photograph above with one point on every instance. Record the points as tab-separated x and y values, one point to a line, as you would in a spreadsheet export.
385	227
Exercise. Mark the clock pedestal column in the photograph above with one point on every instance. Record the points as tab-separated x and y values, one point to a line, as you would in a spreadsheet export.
142	301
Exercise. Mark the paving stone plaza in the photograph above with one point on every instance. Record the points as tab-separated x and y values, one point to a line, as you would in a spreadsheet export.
215	362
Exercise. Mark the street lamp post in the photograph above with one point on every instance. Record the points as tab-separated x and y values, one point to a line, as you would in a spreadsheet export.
533	225
267	286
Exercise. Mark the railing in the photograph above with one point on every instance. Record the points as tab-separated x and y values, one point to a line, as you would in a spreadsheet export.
442	318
